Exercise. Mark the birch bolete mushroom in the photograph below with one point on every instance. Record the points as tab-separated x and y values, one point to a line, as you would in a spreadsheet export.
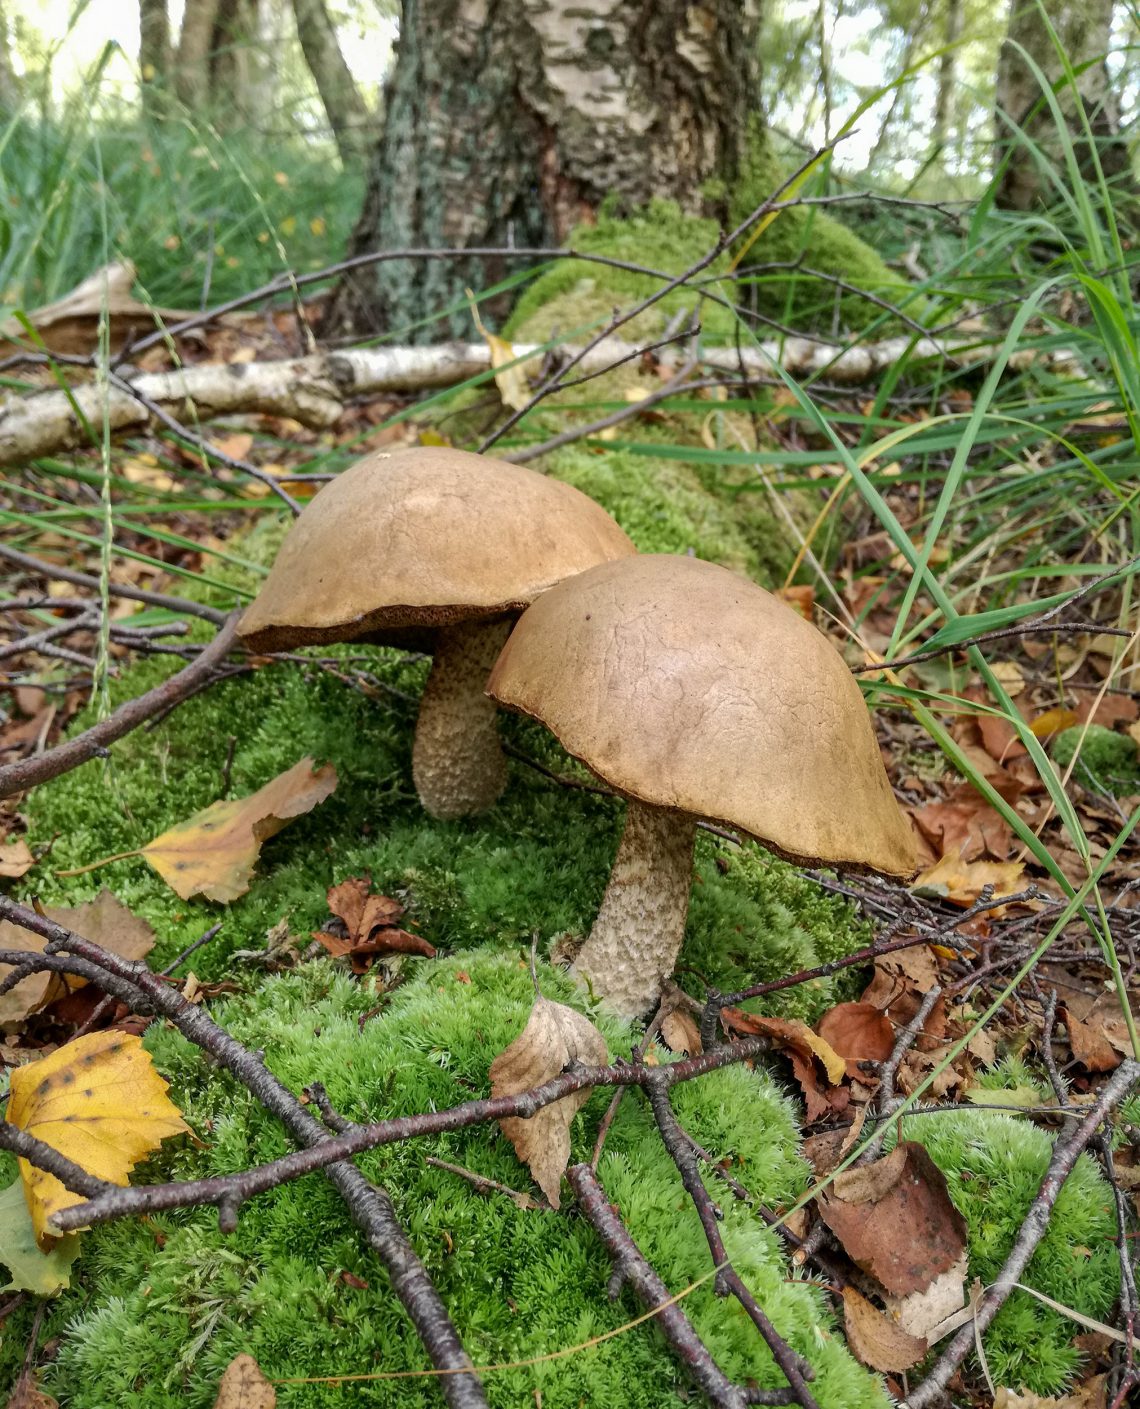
439	550
696	694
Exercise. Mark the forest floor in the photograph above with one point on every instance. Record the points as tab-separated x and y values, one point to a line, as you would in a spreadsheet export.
940	1149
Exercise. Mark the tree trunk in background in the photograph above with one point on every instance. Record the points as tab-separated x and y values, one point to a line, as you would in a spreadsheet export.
10	96
347	113
509	121
233	62
192	63
947	76
154	51
1084	30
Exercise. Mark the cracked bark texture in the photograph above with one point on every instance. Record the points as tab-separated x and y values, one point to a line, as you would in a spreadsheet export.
509	121
1085	33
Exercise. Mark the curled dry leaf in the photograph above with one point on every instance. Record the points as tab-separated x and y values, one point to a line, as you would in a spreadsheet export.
960	882
877	1340
554	1036
370	923
801	1046
97	1100
104	921
16	859
858	1032
681	1033
214	852
895	1220
243	1386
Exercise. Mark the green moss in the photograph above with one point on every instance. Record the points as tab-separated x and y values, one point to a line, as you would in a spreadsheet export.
161	1308
572	296
817	241
1108	761
994	1164
669	505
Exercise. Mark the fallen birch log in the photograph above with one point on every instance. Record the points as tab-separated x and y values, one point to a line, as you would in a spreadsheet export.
315	389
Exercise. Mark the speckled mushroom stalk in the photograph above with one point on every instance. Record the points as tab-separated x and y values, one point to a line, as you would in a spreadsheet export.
458	763
633	946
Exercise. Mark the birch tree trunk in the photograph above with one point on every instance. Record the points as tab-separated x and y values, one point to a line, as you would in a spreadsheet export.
1084	30
509	121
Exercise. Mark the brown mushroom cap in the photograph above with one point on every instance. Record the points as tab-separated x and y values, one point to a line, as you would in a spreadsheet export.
688	687
424	538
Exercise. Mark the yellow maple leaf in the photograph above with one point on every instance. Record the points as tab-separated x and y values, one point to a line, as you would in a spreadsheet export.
97	1100
214	852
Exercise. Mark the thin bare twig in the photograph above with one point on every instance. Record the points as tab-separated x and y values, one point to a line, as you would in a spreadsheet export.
92	743
633	1270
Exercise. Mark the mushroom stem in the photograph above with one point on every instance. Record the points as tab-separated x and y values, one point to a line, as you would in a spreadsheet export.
637	936
457	761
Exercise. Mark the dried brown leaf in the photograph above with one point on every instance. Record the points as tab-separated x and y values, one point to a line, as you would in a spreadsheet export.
104	920
858	1032
920	1312
214	852
681	1033
895	1220
243	1386
25	1394
875	1339
960	881
370	922
1089	1043
1093	1394
16	859
554	1036
802	1047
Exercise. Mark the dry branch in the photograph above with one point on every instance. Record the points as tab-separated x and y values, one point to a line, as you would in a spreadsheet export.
1065	1154
632	1268
315	389
16	777
368	1203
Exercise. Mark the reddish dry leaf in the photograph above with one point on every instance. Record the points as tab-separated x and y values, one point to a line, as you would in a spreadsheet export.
964	825
858	1032
1089	1046
895	1220
370	924
875	1339
103	920
802	1048
800	599
899	984
1110	710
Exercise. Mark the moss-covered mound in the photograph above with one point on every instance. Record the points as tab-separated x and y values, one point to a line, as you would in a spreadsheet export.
572	297
1107	761
994	1164
819	244
160	1308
